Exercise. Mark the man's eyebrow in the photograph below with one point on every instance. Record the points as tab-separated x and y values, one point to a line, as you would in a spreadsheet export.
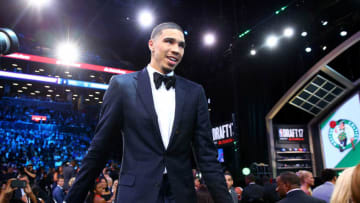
173	39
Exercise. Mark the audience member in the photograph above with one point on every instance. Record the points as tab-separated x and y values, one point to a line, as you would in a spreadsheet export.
355	185
95	194
342	190
306	181
58	192
325	190
252	192
230	182
270	194
288	187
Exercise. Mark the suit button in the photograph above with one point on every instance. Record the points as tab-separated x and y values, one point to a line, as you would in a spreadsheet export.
177	132
157	184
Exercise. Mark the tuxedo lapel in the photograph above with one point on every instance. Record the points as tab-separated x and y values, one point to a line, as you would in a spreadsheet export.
146	97
180	91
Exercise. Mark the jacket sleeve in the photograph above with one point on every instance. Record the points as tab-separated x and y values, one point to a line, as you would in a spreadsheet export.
108	132
206	153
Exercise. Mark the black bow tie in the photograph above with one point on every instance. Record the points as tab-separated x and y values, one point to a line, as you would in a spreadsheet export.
169	81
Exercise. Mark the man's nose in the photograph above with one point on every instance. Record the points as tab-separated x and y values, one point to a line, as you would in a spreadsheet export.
175	49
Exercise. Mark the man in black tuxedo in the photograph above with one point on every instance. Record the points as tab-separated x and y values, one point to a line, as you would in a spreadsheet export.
288	187
155	118
252	192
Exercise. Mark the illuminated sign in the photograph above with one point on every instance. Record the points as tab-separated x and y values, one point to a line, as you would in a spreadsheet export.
223	134
61	81
225	141
291	134
30	77
41	59
38	118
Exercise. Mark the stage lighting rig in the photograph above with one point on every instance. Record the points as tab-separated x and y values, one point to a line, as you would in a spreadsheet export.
9	42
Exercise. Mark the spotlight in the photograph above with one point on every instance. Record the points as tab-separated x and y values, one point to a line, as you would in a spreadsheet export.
288	32
209	39
246	171
324	48
304	34
67	52
343	33
253	52
324	22
308	49
272	41
186	32
145	18
39	3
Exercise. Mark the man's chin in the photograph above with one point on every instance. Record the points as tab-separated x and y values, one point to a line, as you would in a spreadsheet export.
167	70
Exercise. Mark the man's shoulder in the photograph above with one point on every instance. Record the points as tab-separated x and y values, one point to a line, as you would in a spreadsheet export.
323	188
124	76
188	82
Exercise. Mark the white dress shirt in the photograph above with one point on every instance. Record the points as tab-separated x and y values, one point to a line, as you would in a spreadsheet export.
164	103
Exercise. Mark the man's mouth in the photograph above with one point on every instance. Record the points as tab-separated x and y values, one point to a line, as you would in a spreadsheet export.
173	60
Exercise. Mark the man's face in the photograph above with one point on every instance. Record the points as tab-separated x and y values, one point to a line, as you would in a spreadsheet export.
61	182
281	187
197	182
167	50
229	181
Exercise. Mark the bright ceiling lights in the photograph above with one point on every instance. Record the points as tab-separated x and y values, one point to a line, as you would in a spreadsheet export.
145	18
308	49
67	52
288	32
209	39
39	3
343	33
253	52
272	41
304	34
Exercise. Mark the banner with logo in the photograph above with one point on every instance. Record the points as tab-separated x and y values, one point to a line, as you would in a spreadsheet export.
340	135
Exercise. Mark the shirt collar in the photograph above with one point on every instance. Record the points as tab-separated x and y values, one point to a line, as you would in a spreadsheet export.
151	71
293	190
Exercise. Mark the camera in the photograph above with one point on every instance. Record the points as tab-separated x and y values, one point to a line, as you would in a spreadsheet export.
9	42
18	184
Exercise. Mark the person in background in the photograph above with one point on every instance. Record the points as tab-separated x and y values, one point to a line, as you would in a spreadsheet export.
252	192
355	185
325	190
94	195
58	192
306	180
288	187
230	182
342	190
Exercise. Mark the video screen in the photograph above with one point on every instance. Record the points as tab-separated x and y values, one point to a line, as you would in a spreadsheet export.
340	135
221	155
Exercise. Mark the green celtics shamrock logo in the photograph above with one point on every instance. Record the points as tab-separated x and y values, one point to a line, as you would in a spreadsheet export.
343	134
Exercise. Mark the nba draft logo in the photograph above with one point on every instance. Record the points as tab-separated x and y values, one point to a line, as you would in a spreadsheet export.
343	134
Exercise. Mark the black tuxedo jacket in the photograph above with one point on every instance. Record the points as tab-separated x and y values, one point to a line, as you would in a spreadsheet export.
128	120
298	196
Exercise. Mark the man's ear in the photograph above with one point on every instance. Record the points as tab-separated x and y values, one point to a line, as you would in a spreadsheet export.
151	45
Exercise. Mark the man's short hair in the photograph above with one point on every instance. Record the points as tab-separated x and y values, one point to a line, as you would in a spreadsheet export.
250	177
228	174
328	174
163	26
290	178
